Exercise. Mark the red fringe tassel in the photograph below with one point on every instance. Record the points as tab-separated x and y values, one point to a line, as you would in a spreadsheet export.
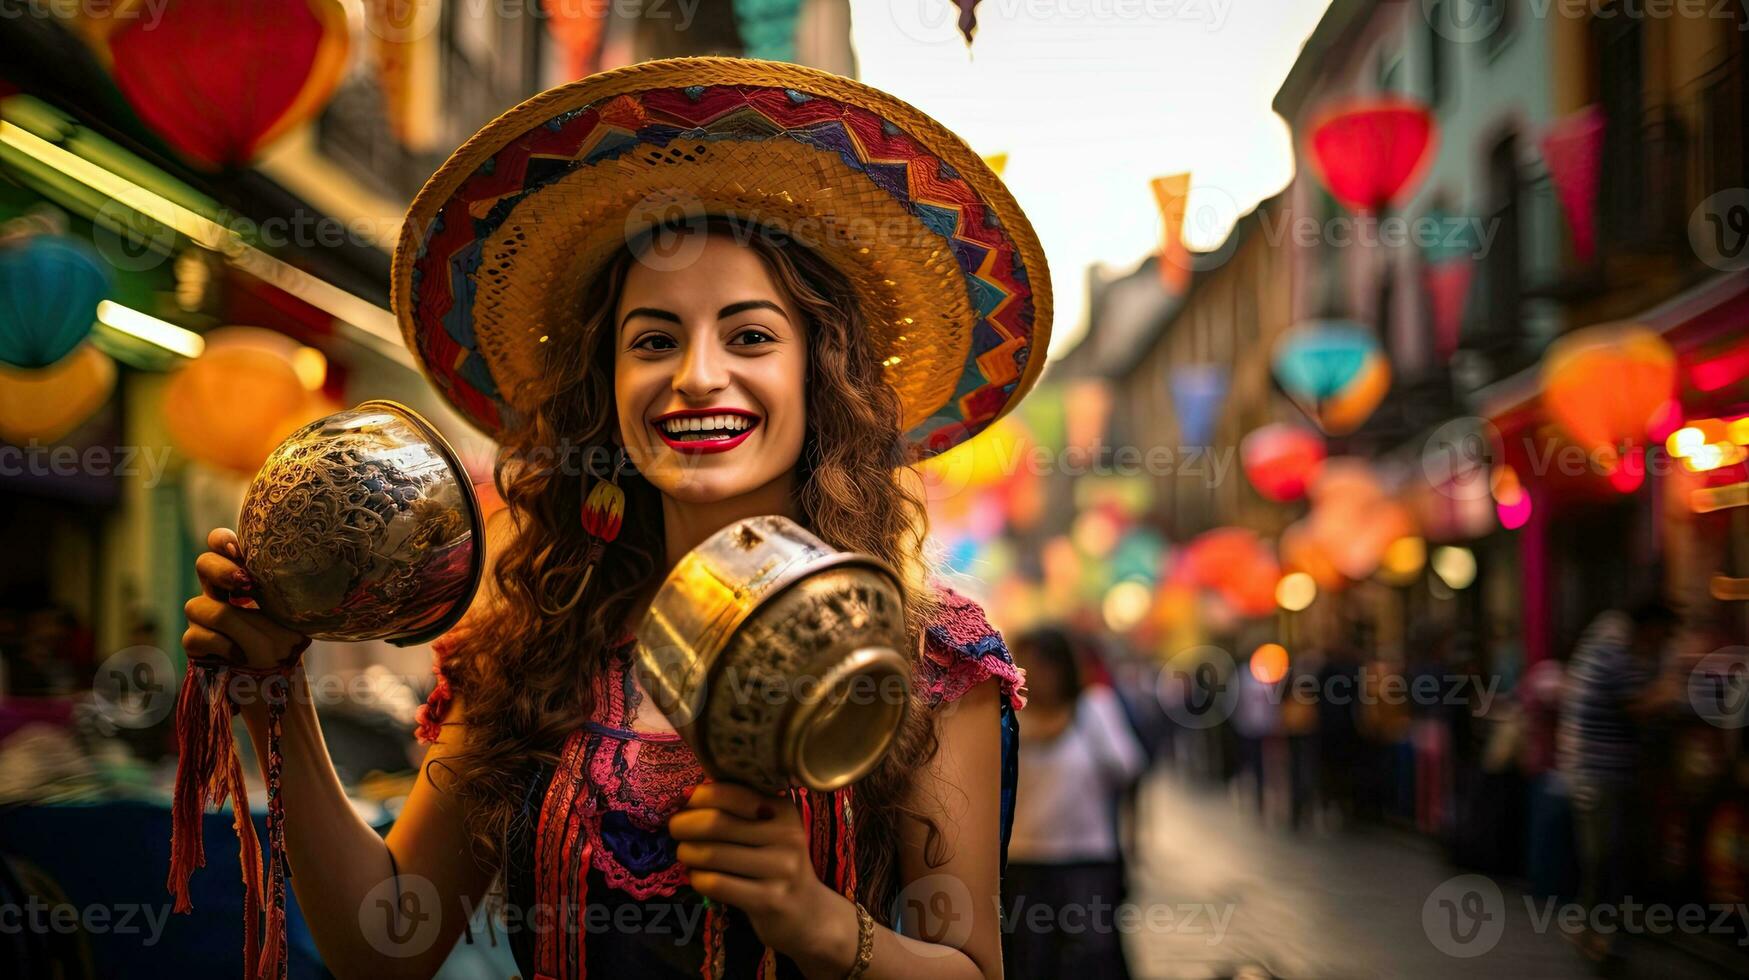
208	771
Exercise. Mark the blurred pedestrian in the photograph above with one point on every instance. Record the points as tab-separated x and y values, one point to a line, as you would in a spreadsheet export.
1077	756
1614	687
1549	855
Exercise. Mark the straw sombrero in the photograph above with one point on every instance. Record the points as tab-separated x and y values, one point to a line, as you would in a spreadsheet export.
500	243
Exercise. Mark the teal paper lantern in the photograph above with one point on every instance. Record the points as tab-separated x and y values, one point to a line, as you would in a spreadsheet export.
50	286
1315	361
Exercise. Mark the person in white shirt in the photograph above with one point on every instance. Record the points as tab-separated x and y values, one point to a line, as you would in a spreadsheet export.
1065	876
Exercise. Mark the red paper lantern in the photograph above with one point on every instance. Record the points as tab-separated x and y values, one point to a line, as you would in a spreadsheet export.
219	79
1235	564
1279	460
1369	153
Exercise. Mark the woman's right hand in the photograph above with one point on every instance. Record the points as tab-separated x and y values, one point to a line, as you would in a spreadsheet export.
218	630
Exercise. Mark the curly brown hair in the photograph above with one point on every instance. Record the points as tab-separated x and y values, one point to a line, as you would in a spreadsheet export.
525	677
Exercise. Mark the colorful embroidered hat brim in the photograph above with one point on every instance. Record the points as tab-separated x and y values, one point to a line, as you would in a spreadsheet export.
500	243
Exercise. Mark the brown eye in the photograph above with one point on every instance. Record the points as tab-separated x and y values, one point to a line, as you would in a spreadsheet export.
760	334
642	342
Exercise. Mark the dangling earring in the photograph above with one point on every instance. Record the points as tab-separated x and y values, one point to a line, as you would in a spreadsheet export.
603	513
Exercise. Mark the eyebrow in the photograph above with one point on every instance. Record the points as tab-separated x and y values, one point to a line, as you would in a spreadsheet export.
722	314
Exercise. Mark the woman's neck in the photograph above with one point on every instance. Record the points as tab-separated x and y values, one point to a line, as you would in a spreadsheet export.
688	524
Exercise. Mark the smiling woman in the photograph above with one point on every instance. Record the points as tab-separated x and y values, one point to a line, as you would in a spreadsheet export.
731	368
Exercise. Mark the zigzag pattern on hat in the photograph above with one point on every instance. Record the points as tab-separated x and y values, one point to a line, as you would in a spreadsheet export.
995	276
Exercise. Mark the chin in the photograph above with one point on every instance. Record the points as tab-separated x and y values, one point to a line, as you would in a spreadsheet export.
697	485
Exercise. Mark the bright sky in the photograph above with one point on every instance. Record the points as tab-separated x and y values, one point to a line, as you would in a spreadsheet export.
1091	99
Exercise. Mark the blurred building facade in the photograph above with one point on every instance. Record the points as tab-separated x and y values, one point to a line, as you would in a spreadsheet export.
316	212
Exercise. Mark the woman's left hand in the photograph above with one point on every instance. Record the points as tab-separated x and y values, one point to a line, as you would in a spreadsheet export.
751	851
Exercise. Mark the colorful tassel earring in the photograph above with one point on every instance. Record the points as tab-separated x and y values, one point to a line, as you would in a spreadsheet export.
603	513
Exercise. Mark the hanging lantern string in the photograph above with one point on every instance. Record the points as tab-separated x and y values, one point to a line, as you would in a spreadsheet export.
207	772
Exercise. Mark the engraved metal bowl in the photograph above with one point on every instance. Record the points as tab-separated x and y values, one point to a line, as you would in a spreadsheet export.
777	657
363	526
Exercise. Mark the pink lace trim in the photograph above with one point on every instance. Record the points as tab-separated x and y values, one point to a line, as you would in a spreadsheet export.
645	777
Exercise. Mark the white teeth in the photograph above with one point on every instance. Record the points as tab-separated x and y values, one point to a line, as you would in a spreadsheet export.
732	423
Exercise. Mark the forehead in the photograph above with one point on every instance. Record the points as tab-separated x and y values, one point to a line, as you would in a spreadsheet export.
696	268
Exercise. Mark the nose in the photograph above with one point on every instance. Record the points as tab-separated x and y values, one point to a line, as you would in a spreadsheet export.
702	371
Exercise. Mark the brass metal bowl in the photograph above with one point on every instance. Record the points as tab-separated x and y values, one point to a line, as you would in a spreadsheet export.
364	526
777	657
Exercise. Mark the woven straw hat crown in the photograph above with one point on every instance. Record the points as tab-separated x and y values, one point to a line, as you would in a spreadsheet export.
501	242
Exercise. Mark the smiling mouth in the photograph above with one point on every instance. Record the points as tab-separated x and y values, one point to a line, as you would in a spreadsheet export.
710	430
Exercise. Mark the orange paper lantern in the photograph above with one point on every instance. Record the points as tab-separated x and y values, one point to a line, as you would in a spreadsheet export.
1300	552
1607	386
224	406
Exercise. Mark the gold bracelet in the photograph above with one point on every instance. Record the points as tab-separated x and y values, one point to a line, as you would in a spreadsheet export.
864	943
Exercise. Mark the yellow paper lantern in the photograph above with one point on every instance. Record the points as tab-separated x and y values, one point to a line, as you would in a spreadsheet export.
47	403
224	406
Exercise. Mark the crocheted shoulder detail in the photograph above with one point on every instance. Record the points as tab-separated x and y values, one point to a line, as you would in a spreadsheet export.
961	650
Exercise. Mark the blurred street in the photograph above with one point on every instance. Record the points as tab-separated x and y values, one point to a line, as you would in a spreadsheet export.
1323	903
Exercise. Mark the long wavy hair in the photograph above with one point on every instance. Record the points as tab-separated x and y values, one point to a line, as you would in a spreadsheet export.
526	677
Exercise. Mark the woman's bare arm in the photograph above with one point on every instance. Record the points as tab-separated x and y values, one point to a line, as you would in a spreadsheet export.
366	919
341	870
952	907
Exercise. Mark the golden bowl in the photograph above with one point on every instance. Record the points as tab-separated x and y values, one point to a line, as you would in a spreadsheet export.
363	526
778	658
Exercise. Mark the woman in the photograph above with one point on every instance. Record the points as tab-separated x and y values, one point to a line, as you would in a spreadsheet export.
1080	754
838	285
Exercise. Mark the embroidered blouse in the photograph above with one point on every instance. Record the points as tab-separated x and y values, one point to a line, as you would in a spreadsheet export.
593	885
